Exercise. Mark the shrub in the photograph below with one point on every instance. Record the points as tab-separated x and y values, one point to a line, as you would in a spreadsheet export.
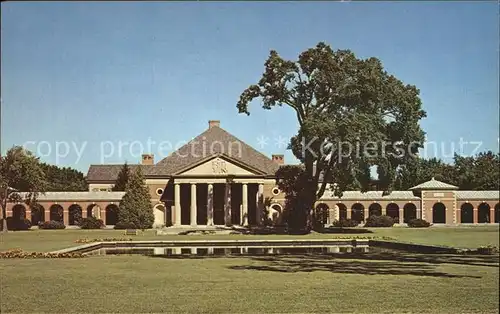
125	225
418	223
379	221
91	223
18	224
487	250
51	225
345	223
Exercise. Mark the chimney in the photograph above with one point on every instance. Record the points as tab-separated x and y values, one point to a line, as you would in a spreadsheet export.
212	123
279	159
148	159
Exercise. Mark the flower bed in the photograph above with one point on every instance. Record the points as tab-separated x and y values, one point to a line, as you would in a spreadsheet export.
19	253
86	240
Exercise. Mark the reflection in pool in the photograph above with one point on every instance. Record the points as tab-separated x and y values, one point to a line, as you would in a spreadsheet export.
232	251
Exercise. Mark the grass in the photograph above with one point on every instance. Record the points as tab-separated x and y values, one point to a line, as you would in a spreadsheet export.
372	282
49	240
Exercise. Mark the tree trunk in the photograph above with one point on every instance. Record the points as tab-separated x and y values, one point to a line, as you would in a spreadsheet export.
310	197
4	218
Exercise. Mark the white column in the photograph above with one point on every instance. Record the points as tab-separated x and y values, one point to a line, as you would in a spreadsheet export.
210	205
401	216
245	205
177	207
227	205
193	204
260	204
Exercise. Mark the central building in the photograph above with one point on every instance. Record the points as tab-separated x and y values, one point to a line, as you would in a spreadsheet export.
215	179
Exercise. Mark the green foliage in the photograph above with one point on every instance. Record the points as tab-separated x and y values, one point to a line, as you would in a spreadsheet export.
339	98
91	223
135	207
345	223
20	170
64	179
122	179
51	225
294	182
418	223
480	172
379	221
18	224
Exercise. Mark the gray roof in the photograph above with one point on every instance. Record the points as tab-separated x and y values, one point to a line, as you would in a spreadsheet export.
371	195
434	184
81	196
478	195
213	142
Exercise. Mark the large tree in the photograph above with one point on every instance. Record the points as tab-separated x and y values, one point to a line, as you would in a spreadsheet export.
351	113
122	179
21	179
135	207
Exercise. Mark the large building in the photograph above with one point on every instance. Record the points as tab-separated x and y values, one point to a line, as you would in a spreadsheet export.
216	179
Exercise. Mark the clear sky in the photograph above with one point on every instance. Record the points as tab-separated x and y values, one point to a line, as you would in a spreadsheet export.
93	74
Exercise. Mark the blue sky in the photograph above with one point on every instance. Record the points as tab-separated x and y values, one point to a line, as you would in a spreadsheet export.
91	74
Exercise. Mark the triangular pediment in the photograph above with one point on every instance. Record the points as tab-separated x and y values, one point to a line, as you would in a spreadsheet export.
219	166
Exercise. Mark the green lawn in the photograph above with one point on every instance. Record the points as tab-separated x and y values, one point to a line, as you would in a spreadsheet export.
371	282
48	240
375	282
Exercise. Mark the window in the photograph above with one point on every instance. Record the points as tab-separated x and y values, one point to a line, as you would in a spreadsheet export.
159	192
276	191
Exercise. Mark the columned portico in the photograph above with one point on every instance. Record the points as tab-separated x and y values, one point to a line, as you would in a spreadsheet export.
235	202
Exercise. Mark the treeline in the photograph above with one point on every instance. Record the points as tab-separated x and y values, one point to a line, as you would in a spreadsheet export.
63	178
480	172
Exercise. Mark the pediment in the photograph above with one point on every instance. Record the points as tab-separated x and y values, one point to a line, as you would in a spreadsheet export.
218	166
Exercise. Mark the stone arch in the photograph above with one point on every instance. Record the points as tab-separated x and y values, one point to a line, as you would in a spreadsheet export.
159	214
483	213
439	213
18	212
409	212
392	210
358	212
56	213
322	213
466	213
37	214
111	217
374	210
342	211
75	214
93	210
497	213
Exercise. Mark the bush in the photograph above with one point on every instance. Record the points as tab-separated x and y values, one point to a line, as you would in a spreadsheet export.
418	223
51	225
91	223
18	224
125	225
379	221
345	223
